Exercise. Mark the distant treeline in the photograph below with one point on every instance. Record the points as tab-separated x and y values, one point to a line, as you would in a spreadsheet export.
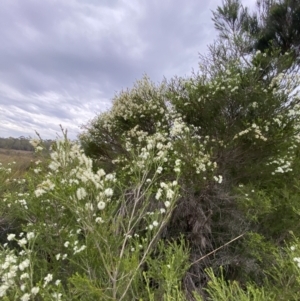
21	143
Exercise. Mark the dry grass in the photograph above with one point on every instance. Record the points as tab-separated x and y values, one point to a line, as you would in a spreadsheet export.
23	160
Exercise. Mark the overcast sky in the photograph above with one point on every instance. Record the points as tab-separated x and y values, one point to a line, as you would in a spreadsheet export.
62	61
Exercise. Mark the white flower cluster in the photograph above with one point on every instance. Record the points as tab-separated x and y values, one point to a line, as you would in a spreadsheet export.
144	99
16	269
255	129
36	144
218	179
297	259
229	81
77	168
178	128
283	165
168	192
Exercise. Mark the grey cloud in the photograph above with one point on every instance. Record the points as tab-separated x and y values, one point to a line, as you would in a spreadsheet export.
62	61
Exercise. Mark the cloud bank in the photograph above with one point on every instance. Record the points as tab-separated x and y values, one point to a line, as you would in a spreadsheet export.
61	62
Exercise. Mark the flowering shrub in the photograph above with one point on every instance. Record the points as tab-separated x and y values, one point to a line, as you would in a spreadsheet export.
212	135
177	180
83	234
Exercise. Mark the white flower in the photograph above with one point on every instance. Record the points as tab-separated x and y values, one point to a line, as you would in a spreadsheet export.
108	192
167	204
57	282
39	191
35	290
99	220
159	145
56	296
24	276
54	165
30	235
162	210
101	205
47	279
159	169
57	256
22	242
155	224
34	142
297	259
24	264
158	194
177	169
293	248
110	177
177	162
170	194
3	289
81	193
25	297
66	244
11	237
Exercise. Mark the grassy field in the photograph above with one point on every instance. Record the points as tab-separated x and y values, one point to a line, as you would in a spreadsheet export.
18	160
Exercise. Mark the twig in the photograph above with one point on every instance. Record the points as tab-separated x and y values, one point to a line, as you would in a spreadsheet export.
217	249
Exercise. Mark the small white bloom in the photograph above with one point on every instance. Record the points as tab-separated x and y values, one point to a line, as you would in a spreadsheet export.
158	194
30	235
108	192
293	248
110	177
101	205
47	279
162	210
159	169
56	296
177	169
155	224
170	194
81	193
99	220
39	191
24	264
167	204
35	290
24	276
25	297
11	237
22	242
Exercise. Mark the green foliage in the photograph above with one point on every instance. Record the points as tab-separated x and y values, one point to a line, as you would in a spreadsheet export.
227	130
